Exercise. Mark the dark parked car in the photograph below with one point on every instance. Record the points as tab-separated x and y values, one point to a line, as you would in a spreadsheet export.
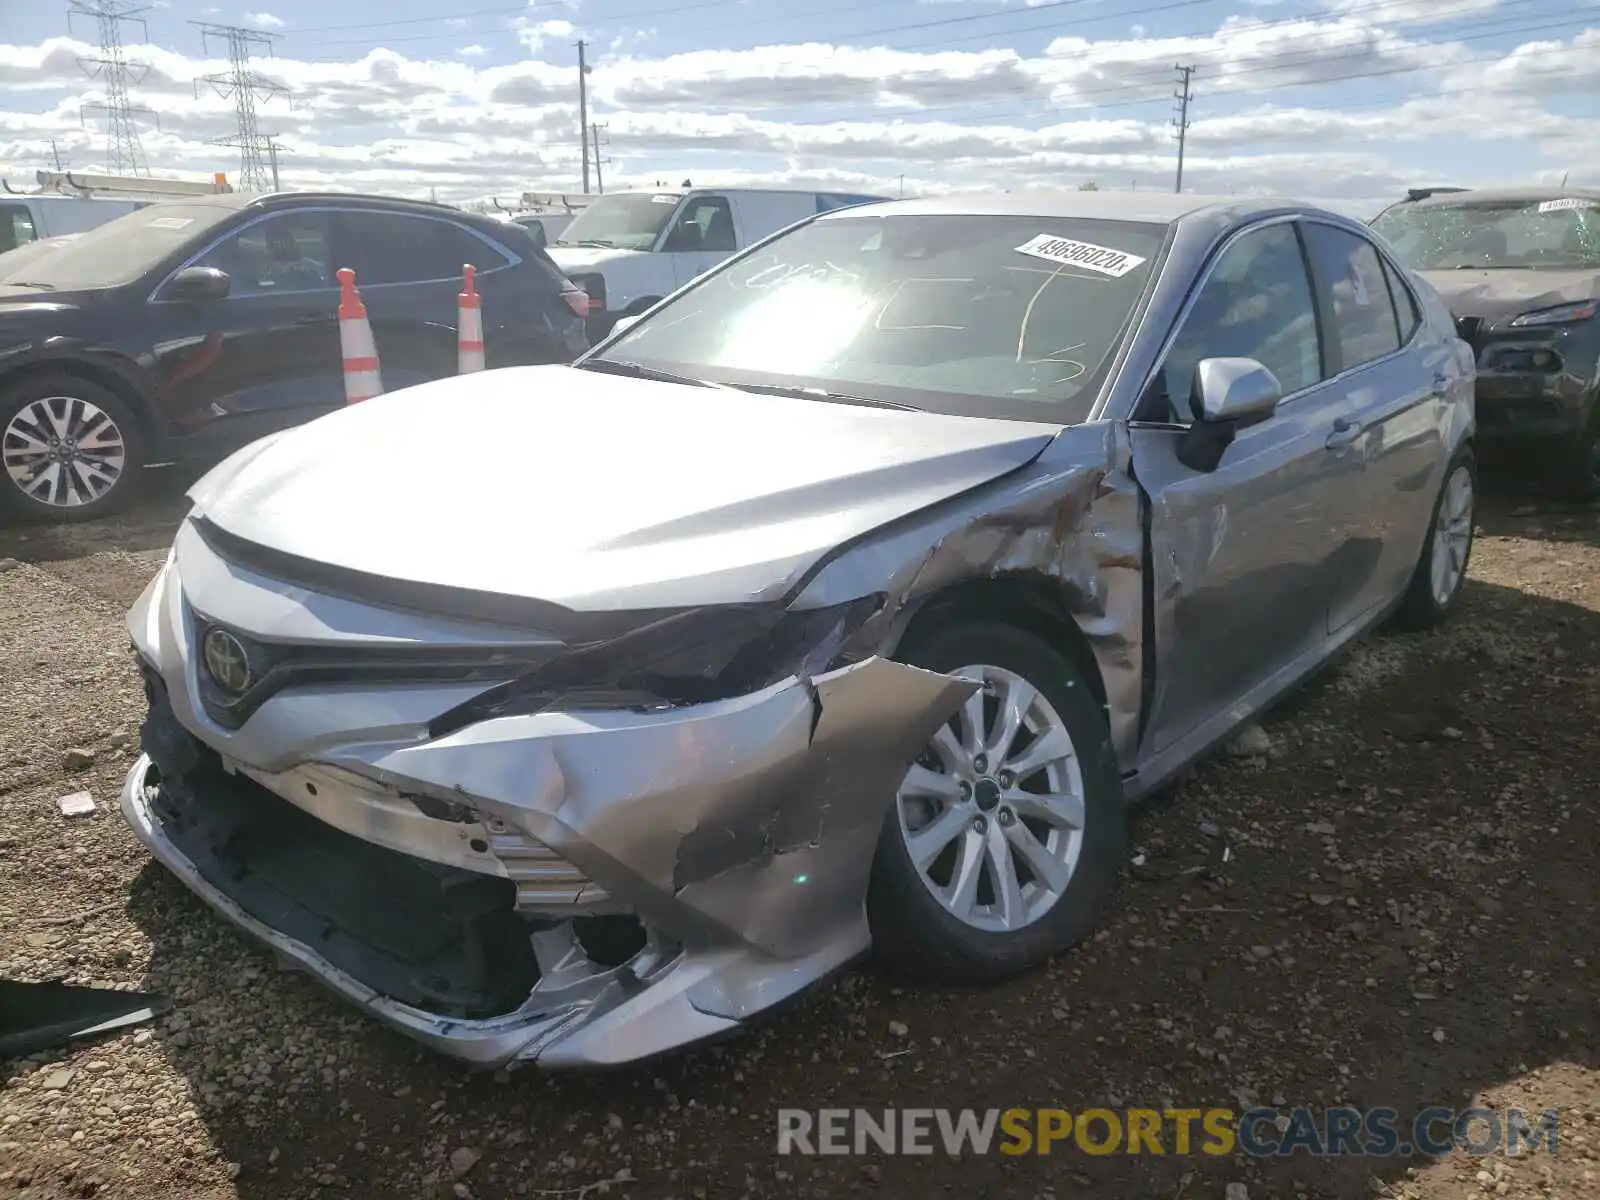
184	330
1520	271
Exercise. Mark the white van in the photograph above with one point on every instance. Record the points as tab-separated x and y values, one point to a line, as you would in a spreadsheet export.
25	219
545	227
630	249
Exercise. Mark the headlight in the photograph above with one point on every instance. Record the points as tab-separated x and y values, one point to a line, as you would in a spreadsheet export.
694	657
1562	314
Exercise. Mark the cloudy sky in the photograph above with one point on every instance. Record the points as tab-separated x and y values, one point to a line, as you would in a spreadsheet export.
1349	99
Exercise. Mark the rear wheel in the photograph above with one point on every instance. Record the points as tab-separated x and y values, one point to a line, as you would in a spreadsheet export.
1008	833
71	449
1442	570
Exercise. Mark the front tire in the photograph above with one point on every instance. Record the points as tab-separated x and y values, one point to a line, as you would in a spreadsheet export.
1442	571
1005	841
71	450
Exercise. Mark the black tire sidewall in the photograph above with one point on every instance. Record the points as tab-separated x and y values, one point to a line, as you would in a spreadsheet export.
910	928
17	396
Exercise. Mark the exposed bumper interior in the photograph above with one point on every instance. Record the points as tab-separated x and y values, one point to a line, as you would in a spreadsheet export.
576	888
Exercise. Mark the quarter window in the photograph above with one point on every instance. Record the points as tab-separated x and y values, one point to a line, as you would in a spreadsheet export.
1351	274
1255	303
1405	304
287	253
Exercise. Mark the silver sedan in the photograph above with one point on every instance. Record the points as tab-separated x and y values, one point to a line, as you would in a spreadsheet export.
572	715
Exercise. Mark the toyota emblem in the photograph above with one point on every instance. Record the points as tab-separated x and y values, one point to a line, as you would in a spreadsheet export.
227	662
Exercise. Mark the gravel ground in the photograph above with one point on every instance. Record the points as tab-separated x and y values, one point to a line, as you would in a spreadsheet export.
1407	920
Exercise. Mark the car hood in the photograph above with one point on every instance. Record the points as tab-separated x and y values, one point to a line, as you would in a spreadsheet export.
1500	294
599	492
590	258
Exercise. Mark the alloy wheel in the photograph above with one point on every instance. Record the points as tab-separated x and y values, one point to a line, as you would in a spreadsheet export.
992	813
1452	535
63	451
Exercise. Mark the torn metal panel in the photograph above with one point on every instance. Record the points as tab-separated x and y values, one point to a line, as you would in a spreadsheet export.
1074	518
766	798
38	1016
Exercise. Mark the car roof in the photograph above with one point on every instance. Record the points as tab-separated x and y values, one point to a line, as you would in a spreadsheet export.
1505	195
1155	208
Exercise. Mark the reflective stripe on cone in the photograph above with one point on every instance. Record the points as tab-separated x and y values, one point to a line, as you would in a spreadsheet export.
469	324
362	378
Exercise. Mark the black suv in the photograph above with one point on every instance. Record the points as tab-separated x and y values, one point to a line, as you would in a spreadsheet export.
187	329
1519	269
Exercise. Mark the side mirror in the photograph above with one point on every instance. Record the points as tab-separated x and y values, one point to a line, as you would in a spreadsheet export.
622	323
199	283
1229	394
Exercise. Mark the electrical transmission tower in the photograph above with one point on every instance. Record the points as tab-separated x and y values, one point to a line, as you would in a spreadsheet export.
116	73
1181	121
244	87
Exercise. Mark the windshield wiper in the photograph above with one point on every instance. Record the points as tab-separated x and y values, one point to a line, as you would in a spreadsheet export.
33	283
812	393
616	366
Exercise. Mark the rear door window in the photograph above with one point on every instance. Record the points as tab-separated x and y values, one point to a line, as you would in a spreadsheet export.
1350	277
1405	304
390	248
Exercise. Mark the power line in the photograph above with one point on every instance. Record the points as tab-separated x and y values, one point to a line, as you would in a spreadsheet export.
244	87
117	72
1181	121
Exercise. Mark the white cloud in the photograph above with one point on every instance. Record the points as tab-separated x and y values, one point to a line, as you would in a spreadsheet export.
264	20
1271	113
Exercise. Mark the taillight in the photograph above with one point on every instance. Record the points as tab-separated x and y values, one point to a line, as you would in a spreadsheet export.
577	299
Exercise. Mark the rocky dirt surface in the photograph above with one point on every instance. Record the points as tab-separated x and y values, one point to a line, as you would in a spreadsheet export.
1407	919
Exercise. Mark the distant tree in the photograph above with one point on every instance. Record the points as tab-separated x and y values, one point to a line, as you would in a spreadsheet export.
1089	185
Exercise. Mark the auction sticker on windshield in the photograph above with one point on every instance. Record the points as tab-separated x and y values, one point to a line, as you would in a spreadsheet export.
1087	255
171	222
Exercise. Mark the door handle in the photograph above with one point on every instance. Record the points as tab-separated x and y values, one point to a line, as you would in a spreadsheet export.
313	318
1344	433
1441	384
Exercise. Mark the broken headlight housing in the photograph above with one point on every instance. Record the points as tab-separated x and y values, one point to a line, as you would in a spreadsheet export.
1562	314
694	657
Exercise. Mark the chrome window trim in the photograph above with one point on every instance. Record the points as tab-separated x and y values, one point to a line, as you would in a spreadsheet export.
513	258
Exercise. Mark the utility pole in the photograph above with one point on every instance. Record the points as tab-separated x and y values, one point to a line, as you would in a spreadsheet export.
583	111
124	152
1181	121
244	87
273	146
594	142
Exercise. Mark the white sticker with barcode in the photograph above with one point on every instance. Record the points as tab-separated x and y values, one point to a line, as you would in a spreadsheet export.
1070	253
663	199
1566	203
171	222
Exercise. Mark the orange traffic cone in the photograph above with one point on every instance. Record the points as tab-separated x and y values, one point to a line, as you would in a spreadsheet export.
361	378
469	324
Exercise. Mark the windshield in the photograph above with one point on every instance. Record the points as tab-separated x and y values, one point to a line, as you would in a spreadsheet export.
120	251
628	222
986	316
1520	234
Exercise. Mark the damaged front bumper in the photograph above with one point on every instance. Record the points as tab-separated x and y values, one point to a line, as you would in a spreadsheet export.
735	837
